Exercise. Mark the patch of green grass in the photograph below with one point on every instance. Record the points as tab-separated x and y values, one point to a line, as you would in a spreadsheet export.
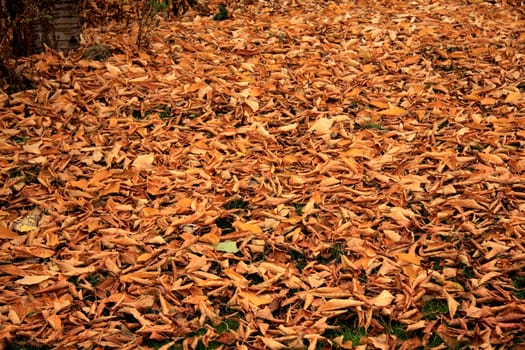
371	125
395	328
434	341
519	287
226	325
236	203
94	279
348	329
353	334
333	254
299	258
157	344
164	111
436	264
337	250
299	208
20	139
211	346
433	308
468	272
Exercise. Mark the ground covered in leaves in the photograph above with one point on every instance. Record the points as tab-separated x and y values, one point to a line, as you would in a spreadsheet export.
303	174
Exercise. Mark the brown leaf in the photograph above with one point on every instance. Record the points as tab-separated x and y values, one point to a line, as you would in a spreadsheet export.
337	304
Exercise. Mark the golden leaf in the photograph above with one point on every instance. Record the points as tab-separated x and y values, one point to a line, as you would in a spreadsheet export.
393	112
243	227
409	258
513	97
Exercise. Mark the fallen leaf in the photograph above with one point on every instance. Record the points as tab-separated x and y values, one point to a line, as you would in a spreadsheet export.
227	246
244	227
144	162
385	298
337	304
257	299
31	280
6	232
322	126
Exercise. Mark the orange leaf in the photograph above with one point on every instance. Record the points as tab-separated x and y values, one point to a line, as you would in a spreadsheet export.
513	97
6	232
409	258
241	226
55	322
487	101
40	252
393	112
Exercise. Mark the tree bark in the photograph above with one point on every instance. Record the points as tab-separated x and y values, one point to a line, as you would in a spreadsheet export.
56	25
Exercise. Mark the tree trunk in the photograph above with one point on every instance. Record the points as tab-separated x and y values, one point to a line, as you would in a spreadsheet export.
56	25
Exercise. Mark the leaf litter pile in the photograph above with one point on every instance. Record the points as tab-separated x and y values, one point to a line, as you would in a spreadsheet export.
302	174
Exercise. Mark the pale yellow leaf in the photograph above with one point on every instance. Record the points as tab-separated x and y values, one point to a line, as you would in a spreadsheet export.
144	257
144	162
31	280
253	104
33	148
289	127
385	298
273	344
322	126
488	101
112	69
329	182
243	227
